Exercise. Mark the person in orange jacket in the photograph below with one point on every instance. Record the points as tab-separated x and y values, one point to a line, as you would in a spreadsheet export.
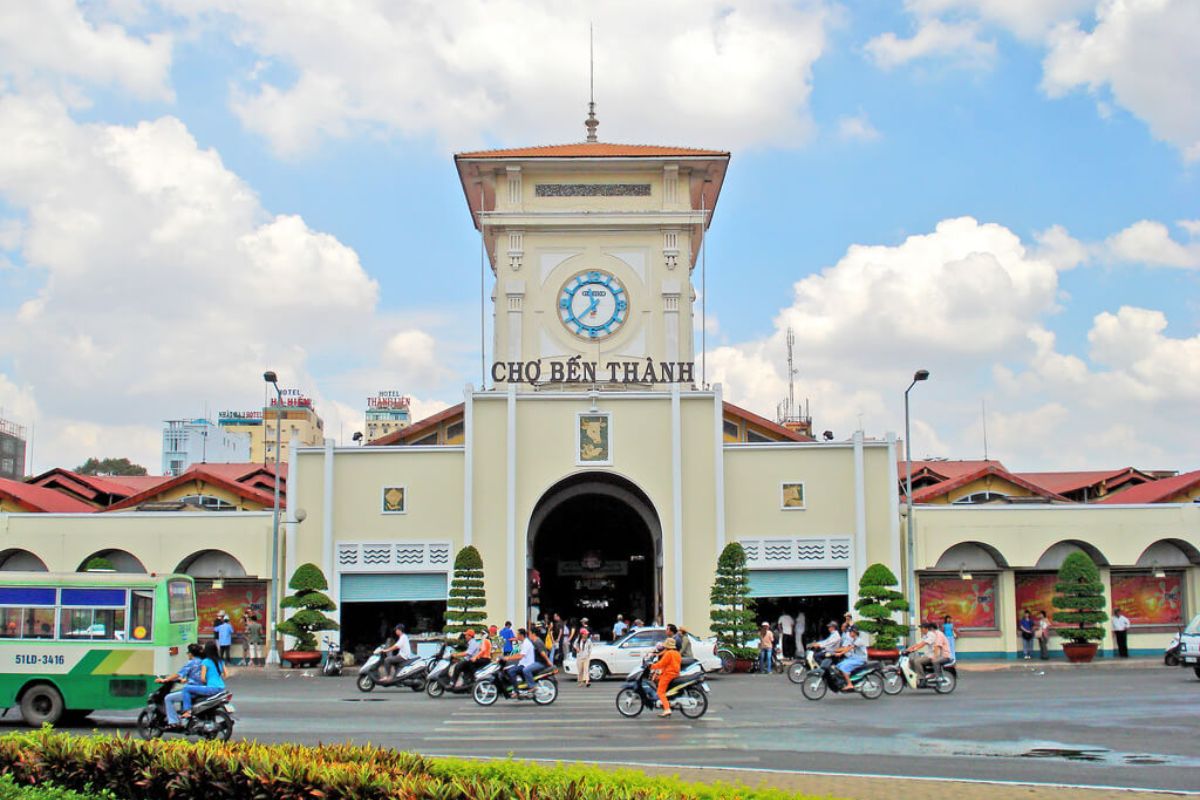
666	669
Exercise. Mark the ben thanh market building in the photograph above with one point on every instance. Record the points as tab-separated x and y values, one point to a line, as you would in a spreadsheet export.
598	473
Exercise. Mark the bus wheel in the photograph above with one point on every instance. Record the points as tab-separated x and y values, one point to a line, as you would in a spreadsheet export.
41	704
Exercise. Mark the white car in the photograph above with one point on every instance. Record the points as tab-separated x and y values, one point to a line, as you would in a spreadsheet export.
625	655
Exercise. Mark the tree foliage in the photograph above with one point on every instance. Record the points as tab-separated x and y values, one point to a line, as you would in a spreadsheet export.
99	564
1079	598
877	602
307	582
464	609
732	613
110	466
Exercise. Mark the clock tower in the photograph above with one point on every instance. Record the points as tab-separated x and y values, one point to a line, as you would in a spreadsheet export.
593	247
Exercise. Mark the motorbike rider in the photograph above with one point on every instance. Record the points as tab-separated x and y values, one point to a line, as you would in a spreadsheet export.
471	663
457	660
402	653
665	670
926	647
829	645
855	653
525	658
188	673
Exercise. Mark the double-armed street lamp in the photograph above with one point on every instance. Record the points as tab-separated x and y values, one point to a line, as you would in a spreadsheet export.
918	376
273	651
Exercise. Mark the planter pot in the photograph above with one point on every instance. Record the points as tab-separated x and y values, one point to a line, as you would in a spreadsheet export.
882	655
1080	652
301	658
742	664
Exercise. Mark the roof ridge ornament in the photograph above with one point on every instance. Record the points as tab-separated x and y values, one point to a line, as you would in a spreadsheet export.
591	123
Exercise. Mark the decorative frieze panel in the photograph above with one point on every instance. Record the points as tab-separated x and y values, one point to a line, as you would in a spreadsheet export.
592	190
776	553
393	556
671	248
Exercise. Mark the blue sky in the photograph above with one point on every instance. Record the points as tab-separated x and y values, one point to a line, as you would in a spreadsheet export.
992	190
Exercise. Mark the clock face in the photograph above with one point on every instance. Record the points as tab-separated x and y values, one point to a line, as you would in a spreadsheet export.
593	305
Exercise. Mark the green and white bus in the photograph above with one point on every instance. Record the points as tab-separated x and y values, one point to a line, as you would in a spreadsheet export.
72	643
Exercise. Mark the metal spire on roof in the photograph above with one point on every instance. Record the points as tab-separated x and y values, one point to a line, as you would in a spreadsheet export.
591	123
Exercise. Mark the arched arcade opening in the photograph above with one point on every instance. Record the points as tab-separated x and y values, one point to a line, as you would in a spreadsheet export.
594	549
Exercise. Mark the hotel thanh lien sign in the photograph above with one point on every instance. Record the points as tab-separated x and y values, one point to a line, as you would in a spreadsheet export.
575	370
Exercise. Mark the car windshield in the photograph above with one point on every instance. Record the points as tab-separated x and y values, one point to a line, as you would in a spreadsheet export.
641	638
1193	628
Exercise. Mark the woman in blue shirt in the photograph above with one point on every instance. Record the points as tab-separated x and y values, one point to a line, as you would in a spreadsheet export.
212	678
951	632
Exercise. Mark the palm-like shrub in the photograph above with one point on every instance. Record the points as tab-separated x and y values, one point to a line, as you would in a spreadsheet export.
732	612
1079	600
877	602
464	609
307	582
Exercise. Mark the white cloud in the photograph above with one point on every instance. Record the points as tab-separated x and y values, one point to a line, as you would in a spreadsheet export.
857	129
1149	242
1192	226
166	285
969	302
56	39
1028	19
1144	53
515	70
959	41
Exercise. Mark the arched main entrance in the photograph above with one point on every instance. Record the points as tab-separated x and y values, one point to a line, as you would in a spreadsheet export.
595	550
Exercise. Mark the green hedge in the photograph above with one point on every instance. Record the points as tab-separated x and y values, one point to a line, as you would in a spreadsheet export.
11	790
133	769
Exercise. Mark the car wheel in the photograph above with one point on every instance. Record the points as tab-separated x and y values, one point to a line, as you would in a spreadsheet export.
814	686
728	661
41	705
1197	671
597	671
629	703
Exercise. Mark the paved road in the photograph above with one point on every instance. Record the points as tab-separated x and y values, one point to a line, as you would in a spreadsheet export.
1095	727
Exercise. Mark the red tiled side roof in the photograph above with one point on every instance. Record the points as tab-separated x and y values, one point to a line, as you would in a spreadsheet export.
40	499
1155	491
418	428
200	472
594	150
947	470
135	483
1073	481
84	485
992	468
774	427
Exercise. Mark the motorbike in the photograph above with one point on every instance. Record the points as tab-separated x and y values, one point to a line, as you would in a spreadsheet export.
688	693
927	680
335	660
438	681
867	680
411	674
1171	654
798	669
212	717
491	684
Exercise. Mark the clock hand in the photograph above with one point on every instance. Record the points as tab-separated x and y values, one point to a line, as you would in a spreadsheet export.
595	304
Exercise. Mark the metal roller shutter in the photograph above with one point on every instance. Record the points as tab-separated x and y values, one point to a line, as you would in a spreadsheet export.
388	587
798	582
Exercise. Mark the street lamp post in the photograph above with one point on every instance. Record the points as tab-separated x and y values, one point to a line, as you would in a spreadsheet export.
918	376
272	650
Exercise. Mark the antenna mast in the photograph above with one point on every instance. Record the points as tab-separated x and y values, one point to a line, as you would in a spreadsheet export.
591	123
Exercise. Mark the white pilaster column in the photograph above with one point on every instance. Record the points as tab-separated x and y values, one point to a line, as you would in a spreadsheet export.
510	508
719	465
515	295
893	490
676	506
468	465
329	565
860	518
670	298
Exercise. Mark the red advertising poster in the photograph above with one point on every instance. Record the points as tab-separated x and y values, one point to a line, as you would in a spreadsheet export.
1148	600
970	603
1033	592
235	598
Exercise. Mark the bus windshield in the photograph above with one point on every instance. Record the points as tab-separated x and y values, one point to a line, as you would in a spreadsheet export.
181	601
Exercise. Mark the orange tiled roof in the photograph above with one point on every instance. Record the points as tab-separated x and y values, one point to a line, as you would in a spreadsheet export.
204	472
762	422
1155	491
418	428
40	499
1073	481
992	468
594	150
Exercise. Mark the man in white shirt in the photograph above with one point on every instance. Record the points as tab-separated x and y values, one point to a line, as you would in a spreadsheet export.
855	654
1120	627
934	650
828	645
526	658
787	628
402	653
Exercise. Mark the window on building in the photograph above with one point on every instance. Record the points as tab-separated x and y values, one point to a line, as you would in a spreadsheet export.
430	439
9	445
8	466
755	436
731	429
454	431
981	497
208	502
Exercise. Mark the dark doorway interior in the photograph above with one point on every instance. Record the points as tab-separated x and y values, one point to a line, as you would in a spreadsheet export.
594	557
818	610
367	625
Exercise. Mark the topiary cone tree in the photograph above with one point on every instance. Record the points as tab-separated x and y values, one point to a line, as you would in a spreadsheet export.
732	612
464	609
877	602
1079	600
307	582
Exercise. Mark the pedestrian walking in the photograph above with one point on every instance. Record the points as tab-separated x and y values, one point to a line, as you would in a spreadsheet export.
254	639
1120	626
787	631
1026	627
619	627
766	649
950	630
506	636
1043	634
224	634
583	657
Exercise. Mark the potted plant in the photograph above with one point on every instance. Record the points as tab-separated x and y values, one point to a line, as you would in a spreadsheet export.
1079	598
732	613
464	609
877	602
307	582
